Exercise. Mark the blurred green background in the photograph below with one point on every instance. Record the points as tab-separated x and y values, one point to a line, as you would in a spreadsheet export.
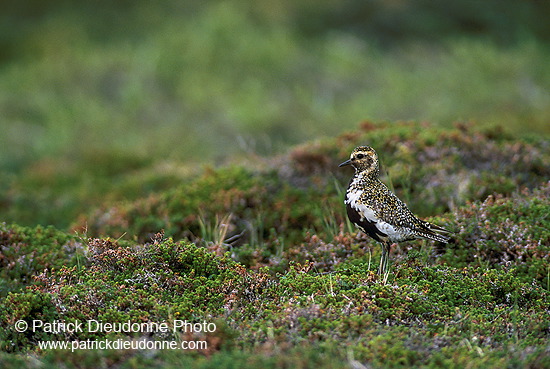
102	100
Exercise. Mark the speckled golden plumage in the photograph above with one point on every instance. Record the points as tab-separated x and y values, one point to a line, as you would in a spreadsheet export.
374	209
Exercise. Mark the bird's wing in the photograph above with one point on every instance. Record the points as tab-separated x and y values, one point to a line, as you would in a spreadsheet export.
395	212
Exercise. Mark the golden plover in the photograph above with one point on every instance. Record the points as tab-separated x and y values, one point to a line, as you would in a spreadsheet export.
375	210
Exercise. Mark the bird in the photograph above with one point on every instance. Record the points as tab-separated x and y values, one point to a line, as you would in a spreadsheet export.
378	212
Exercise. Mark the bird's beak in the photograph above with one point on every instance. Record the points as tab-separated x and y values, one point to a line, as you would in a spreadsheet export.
347	162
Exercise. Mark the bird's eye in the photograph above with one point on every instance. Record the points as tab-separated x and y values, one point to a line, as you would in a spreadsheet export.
360	156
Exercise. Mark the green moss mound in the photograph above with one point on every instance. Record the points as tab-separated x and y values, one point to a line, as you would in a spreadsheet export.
262	252
114	286
425	315
507	232
265	207
26	252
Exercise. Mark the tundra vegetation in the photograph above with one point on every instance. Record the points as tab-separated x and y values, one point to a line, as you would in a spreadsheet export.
179	164
266	255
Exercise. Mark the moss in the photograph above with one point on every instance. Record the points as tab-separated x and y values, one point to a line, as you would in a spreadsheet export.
433	170
189	283
425	316
259	208
26	306
287	282
27	251
508	232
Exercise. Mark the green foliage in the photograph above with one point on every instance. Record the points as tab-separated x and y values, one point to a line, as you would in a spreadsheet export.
92	100
260	205
26	306
188	283
509	232
267	211
391	24
425	316
26	252
271	261
102	101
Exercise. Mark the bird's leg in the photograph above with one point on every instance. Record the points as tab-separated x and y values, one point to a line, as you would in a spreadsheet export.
384	260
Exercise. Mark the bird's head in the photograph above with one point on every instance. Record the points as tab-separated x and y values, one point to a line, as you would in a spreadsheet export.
363	159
